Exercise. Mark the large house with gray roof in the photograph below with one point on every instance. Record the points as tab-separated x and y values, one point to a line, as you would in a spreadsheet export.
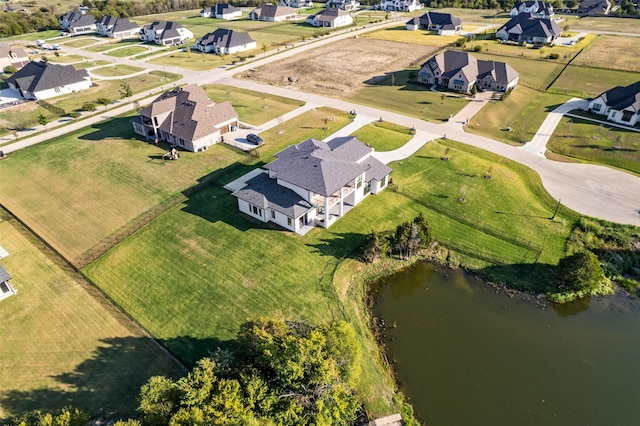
112	27
221	11
224	42
77	23
620	104
330	18
313	183
12	56
43	80
444	23
272	13
343	4
537	8
594	7
525	28
165	33
185	117
460	71
400	5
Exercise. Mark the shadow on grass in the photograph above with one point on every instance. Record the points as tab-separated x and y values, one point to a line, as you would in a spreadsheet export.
108	383
116	128
339	245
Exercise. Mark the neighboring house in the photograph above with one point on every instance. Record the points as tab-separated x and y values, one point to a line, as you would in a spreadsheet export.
187	118
5	288
343	4
112	27
594	7
313	183
43	80
330	18
221	11
525	28
165	33
297	4
272	13
620	104
224	41
537	8
400	5
444	23
460	71
12	56
77	23
66	19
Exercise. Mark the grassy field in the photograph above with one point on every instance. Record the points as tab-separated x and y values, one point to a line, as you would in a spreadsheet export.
602	23
80	42
34	36
116	70
90	64
587	82
400	34
406	98
62	343
384	136
598	143
62	59
524	111
252	107
611	52
195	60
113	45
126	51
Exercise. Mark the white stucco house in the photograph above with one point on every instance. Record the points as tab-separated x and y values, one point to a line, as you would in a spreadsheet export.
620	104
224	41
112	27
272	13
186	118
343	4
43	80
297	4
537	8
400	5
330	18
221	11
313	183
165	33
525	28
444	23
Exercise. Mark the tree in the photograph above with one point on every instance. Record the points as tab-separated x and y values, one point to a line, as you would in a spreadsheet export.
411	237
43	120
581	272
73	114
104	102
125	90
88	106
572	4
374	248
10	69
68	417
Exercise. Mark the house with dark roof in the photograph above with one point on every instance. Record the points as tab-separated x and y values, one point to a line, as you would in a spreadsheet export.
594	7
272	13
66	19
400	5
460	71
77	23
112	27
313	183
224	41
620	104
537	8
444	23
330	18
43	80
525	28
297	4
221	11
5	288
343	4
165	33
12	56
185	117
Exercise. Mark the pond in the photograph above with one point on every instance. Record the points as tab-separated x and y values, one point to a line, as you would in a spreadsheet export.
465	353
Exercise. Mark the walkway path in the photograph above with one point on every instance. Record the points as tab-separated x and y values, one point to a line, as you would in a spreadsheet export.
359	121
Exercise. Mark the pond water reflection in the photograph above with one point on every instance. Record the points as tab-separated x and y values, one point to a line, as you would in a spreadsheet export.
468	355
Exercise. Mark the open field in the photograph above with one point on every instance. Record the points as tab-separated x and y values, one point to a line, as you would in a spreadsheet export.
116	70
34	36
524	111
400	34
588	82
23	116
61	59
384	136
114	44
602	23
598	143
611	53
483	16
194	60
324	69
126	51
62	343
80	42
252	107
90	64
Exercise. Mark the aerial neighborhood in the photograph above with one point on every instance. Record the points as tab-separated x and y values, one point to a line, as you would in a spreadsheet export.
274	212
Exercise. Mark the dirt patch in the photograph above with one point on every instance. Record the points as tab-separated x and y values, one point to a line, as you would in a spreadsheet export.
342	68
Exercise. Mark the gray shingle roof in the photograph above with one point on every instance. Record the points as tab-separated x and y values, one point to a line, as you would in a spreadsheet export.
330	14
107	20
445	20
124	24
531	26
4	275
225	38
451	62
264	192
83	21
621	97
38	76
272	10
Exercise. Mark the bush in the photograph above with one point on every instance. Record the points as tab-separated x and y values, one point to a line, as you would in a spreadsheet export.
581	272
461	42
476	48
89	106
10	69
553	56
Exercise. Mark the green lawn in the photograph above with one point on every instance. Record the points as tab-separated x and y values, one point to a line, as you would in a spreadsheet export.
195	60
384	136
63	59
126	51
401	34
252	107
587	82
34	36
598	143
62	343
113	45
90	64
80	42
116	70
524	111
406	98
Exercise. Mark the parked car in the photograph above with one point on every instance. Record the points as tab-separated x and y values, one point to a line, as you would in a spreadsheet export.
254	139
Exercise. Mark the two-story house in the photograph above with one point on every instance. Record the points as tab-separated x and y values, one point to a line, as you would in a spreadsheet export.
165	33
330	18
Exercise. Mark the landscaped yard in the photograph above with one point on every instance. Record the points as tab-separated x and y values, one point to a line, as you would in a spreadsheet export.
62	342
90	64
598	143
384	136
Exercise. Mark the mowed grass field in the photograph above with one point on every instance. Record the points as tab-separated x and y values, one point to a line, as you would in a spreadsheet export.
384	136
611	53
603	144
588	82
63	346
401	34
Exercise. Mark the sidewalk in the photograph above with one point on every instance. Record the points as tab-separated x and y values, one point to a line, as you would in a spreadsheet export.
357	123
419	140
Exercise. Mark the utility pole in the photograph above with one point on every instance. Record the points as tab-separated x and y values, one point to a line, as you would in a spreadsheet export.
556	210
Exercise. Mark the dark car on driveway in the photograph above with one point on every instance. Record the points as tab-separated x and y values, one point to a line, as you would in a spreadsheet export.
254	139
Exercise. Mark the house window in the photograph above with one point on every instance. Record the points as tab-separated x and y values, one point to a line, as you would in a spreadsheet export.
257	211
359	182
613	114
289	221
273	214
367	188
383	182
626	115
57	89
596	107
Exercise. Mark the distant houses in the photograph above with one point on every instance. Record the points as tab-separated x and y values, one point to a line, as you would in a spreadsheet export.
330	18
400	5
272	13
460	72
165	33
12	56
525	28
77	23
594	7
444	23
224	41
297	4
620	104
343	4
112	27
221	11
537	8
43	80
185	117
